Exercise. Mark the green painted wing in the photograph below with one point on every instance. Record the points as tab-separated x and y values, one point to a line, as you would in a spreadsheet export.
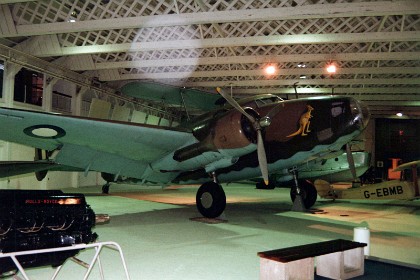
119	148
171	95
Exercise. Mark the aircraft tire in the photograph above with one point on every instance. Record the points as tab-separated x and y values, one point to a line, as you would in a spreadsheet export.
211	200
105	188
308	192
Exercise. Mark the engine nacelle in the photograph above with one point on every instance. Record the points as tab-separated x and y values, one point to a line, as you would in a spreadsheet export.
234	131
229	132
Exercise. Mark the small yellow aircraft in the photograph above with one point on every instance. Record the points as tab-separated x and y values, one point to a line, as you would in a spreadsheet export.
407	187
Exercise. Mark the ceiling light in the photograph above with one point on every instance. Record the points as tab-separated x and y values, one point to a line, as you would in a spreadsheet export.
399	114
301	65
302	76
331	68
270	70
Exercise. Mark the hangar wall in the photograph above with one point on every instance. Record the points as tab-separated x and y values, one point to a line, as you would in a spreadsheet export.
41	92
397	139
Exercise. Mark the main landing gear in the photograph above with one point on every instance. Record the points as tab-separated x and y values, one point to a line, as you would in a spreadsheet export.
105	188
211	199
108	179
303	194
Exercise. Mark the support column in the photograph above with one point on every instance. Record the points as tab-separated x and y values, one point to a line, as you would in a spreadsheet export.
8	90
49	83
76	106
10	71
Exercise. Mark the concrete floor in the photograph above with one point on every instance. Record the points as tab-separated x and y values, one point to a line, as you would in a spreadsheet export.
162	239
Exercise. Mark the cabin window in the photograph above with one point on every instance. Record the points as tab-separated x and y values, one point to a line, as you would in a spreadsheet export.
29	87
61	102
267	100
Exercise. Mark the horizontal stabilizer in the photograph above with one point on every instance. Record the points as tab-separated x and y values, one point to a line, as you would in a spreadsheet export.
14	168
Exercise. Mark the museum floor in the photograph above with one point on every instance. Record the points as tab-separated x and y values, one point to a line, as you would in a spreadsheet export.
163	237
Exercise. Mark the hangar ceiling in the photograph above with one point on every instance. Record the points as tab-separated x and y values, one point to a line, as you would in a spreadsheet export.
228	43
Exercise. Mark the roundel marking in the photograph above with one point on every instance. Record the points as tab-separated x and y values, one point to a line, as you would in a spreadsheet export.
45	131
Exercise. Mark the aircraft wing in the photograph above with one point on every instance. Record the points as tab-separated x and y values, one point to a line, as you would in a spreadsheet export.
13	168
119	148
171	95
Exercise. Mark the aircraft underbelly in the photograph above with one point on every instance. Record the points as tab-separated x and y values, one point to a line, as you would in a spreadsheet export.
90	160
334	169
242	171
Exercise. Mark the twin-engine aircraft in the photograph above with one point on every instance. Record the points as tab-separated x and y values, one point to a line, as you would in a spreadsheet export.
258	137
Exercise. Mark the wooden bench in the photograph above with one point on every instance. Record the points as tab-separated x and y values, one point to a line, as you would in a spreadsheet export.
335	259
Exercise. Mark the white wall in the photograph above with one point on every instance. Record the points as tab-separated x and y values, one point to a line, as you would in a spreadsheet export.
65	88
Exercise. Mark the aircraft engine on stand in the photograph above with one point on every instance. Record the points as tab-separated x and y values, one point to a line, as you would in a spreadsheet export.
33	220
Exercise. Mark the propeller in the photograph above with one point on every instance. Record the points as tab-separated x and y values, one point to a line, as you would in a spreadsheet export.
257	124
350	160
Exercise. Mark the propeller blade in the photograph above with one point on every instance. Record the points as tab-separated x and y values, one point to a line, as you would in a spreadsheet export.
262	158
350	160
235	104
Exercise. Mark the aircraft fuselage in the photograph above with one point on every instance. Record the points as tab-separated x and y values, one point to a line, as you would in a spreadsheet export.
299	131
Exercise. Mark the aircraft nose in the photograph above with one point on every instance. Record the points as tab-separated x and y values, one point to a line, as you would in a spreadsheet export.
360	113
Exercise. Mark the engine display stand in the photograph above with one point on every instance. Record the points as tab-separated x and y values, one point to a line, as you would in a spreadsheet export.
97	246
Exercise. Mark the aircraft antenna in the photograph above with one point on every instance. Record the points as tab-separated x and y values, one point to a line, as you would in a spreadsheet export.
183	102
295	87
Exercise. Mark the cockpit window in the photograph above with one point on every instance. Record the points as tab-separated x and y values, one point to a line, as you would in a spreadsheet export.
267	100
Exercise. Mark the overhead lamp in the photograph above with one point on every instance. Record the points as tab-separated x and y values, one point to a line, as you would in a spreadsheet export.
331	68
270	69
73	16
399	114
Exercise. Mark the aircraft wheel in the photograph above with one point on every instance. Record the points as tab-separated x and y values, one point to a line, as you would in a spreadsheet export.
211	200
105	188
308	192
